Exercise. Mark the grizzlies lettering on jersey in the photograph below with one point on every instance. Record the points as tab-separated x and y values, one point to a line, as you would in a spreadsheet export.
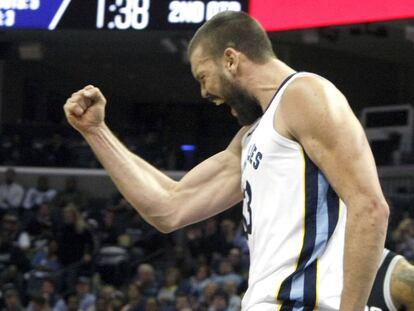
380	298
294	221
254	156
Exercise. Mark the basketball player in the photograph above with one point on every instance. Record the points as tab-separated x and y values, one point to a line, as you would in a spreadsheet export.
393	288
307	250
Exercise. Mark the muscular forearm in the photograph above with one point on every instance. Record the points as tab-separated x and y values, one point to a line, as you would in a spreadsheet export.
146	188
206	190
364	244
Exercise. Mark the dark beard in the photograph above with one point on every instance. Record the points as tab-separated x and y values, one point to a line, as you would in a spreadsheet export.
247	107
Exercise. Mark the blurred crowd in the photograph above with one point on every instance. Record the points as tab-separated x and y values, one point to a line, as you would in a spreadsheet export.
60	151
159	148
60	250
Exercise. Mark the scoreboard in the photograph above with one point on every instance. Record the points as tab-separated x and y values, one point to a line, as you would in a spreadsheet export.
139	15
111	14
277	15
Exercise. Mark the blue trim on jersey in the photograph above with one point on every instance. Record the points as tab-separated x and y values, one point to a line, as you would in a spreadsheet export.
333	208
298	291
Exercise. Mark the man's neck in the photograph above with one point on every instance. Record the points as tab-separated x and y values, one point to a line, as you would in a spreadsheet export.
264	79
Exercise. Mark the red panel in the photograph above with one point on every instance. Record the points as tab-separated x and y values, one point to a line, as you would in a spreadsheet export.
295	14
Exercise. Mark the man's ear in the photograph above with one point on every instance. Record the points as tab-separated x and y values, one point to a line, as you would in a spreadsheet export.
232	60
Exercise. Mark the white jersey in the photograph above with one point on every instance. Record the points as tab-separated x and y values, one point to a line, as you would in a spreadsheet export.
295	223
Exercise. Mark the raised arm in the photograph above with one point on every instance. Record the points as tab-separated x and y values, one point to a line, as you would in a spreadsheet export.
209	188
317	115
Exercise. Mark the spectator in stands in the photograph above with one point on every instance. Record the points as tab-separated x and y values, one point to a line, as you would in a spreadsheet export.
134	299
74	238
85	296
116	303
12	260
240	241
100	305
219	302
44	267
200	280
206	299
124	212
179	257
228	233
195	239
234	300
107	292
85	299
226	273
166	294
211	239
11	192
182	302
36	196
38	303
151	304
71	194
45	256
404	237
109	231
48	291
11	227
136	229
71	302
12	301
238	263
40	225
76	245
112	264
146	280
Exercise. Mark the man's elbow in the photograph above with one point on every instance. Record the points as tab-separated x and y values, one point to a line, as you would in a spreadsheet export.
382	210
378	212
162	215
370	211
165	227
165	223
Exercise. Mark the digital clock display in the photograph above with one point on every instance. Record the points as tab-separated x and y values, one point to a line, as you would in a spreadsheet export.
137	15
111	14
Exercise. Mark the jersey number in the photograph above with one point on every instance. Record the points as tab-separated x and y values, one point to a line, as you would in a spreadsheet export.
247	209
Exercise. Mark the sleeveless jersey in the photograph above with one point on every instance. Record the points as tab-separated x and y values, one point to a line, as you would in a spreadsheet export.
380	298
295	222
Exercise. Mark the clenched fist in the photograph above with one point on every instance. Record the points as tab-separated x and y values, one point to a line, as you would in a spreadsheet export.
85	109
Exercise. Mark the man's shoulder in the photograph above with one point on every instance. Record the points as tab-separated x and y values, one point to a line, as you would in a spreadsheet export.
309	94
307	86
310	105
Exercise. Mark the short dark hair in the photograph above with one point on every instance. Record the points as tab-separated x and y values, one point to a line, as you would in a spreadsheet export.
233	29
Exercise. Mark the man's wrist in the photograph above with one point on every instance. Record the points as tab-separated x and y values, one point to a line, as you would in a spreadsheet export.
94	130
